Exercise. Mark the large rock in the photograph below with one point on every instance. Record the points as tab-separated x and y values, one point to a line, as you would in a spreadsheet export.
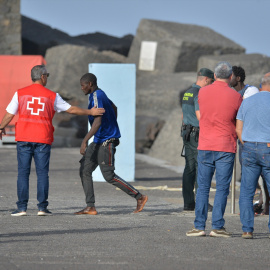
147	129
38	37
251	63
67	63
35	43
10	27
169	143
109	43
180	45
254	79
158	93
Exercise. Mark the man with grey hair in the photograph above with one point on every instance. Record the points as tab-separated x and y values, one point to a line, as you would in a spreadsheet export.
36	106
253	130
218	105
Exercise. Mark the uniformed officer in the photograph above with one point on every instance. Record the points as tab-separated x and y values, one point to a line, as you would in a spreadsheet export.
190	134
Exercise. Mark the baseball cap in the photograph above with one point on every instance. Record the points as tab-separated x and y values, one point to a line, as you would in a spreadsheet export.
207	73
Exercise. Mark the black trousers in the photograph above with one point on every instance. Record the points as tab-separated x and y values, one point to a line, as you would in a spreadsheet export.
190	171
102	156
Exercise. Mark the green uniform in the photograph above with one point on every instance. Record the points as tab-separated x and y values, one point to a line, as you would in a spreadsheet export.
190	134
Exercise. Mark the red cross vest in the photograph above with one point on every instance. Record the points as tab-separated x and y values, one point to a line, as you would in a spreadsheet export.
36	111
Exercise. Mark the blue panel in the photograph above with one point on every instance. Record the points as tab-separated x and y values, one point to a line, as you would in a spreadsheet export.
118	81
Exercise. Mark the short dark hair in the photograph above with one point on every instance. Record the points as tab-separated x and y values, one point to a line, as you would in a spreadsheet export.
239	72
89	77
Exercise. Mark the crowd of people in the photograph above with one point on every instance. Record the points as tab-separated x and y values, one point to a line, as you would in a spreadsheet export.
217	109
214	115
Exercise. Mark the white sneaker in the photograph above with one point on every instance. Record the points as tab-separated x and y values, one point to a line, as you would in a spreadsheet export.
18	213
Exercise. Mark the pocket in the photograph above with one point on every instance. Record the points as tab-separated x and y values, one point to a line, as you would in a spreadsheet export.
246	158
109	152
23	147
82	160
266	158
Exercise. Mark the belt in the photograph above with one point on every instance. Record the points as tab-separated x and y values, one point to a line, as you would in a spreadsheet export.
109	141
192	128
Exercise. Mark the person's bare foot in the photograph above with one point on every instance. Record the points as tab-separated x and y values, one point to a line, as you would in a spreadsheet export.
141	203
87	211
265	211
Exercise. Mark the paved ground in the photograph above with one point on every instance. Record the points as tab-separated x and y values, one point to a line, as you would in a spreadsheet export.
116	238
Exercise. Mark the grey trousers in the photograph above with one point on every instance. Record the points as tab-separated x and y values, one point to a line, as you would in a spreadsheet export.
102	156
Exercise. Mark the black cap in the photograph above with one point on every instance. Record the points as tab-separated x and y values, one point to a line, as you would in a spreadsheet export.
207	73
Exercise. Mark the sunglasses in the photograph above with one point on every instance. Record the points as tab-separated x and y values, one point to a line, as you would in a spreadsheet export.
47	74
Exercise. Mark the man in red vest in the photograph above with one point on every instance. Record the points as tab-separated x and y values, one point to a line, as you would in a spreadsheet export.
36	106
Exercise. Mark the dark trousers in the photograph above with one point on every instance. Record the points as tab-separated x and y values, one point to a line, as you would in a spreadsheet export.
102	156
190	171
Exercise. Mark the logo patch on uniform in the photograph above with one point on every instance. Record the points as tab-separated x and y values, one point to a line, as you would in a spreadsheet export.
35	106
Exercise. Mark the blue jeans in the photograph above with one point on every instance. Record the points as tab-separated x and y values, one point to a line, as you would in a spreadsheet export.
255	160
208	163
41	153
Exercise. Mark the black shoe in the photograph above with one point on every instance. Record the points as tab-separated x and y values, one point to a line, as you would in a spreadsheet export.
189	208
44	212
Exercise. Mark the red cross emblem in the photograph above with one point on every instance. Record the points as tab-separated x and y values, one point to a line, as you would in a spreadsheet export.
35	106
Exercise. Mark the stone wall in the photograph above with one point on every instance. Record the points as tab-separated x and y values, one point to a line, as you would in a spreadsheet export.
10	27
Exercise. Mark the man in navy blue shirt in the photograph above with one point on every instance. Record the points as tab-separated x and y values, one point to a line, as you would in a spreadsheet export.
102	150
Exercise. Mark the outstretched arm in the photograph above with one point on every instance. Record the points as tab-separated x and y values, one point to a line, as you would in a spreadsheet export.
95	126
5	121
79	111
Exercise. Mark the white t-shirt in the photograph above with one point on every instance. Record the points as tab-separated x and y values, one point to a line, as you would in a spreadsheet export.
250	91
59	104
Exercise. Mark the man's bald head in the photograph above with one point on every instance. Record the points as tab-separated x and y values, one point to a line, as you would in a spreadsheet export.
265	84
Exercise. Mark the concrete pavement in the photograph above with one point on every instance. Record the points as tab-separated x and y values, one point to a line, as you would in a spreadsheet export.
116	238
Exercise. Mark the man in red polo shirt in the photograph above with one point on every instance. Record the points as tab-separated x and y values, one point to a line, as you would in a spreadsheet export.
36	106
218	106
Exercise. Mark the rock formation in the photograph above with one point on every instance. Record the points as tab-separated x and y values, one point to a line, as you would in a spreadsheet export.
179	46
34	43
10	27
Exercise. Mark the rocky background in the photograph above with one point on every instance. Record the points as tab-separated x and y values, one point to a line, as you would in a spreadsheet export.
10	27
181	51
